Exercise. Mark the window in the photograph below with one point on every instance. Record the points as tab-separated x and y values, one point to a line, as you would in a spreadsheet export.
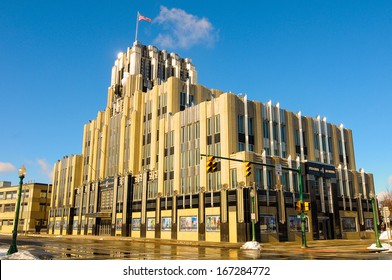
259	178
217	123
9	207
25	193
11	195
349	224
295	224
266	129
283	133
250	126
241	124
209	128
267	223
43	194
369	224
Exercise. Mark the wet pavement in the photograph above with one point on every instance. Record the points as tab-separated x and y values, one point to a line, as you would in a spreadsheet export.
127	248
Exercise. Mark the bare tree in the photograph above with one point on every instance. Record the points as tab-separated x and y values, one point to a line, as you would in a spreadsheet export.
385	199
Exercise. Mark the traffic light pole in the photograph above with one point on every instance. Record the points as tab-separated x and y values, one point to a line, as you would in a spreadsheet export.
298	170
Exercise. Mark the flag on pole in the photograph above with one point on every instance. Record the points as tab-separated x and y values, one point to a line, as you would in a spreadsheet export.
141	17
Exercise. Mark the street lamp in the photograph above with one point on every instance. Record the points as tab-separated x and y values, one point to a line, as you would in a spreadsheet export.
378	243
13	248
253	214
302	215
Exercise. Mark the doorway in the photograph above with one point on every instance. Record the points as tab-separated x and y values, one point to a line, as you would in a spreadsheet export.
324	228
104	227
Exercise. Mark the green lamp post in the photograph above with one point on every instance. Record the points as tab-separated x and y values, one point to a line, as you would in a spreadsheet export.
252	196
378	243
302	214
13	248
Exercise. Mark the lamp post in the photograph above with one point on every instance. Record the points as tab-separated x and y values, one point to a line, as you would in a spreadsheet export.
378	243
13	248
302	215
253	214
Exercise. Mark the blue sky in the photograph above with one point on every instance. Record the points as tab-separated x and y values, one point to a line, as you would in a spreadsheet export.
328	58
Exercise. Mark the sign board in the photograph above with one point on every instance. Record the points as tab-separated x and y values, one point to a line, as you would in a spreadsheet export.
278	169
385	212
320	169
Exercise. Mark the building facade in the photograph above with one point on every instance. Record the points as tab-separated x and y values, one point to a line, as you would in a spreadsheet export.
142	171
34	207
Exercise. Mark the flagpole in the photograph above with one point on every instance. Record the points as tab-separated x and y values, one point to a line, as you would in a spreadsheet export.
137	25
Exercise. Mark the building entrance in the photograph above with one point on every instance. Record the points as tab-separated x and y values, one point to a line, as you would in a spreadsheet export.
324	228
104	227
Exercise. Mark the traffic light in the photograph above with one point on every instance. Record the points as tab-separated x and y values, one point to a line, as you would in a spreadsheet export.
306	206
248	169
298	207
211	164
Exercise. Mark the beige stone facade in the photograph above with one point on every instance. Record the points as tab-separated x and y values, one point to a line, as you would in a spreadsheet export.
142	171
33	211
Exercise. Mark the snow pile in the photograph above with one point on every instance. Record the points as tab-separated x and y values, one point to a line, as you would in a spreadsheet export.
21	255
384	235
252	245
385	247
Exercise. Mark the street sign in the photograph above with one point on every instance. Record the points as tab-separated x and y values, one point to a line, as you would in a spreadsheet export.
320	169
385	212
278	169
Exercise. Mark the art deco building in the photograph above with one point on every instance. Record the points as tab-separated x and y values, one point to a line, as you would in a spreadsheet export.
142	171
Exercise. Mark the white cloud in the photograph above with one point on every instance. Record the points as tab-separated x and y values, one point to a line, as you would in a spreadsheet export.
184	30
45	168
6	167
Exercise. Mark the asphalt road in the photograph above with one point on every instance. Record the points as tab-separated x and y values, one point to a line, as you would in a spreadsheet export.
111	248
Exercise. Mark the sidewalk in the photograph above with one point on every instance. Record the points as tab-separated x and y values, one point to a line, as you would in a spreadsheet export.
336	245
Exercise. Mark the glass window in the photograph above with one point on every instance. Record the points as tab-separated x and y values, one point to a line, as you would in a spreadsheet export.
295	224
197	127
283	133
266	129
369	225
241	124
349	224
250	126
259	178
217	123
267	223
209	128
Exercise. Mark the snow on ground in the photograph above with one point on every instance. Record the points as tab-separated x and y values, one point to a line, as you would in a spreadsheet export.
253	245
21	255
387	248
384	235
